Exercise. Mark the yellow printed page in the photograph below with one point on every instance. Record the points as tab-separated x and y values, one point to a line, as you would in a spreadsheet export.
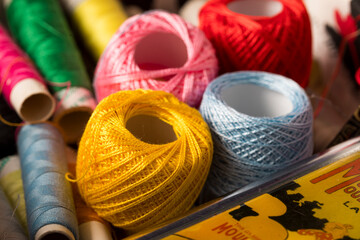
323	205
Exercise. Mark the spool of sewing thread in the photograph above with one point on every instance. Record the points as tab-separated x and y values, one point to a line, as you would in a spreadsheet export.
11	182
49	203
266	35
260	123
77	104
97	21
158	51
190	11
9	226
91	226
143	158
41	30
21	85
7	132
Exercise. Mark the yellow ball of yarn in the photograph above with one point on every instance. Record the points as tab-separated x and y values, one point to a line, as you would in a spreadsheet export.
135	183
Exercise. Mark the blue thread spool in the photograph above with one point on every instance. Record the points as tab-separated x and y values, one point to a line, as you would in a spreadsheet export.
260	123
49	203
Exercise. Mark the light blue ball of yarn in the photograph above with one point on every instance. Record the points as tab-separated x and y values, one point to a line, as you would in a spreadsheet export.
260	123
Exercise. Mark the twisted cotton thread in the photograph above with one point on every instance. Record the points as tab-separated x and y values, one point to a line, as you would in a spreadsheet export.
10	228
91	226
98	21
119	69
41	30
11	182
279	44
248	148
48	196
14	65
83	212
134	184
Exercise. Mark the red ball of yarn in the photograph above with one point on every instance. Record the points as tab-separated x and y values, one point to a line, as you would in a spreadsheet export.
266	35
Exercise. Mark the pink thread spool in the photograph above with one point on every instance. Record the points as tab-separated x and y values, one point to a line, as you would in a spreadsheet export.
159	51
22	86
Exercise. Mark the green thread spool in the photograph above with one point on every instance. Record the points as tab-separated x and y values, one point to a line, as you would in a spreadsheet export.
11	183
41	29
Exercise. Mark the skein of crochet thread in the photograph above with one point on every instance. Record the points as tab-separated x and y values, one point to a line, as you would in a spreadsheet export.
97	21
9	226
49	202
21	84
11	182
143	158
260	123
265	35
158	51
40	28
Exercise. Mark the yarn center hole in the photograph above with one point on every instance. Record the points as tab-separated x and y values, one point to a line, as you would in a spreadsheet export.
74	129
36	107
55	236
151	129
54	232
256	101
160	50
256	8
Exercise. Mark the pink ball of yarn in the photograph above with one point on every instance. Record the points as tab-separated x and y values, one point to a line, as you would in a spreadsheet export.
158	51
